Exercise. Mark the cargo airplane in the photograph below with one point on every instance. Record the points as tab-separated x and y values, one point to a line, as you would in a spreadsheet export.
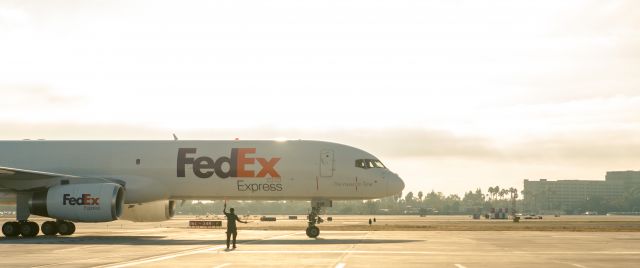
102	181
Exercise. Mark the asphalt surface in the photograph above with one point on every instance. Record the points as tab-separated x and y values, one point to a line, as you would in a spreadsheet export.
124	244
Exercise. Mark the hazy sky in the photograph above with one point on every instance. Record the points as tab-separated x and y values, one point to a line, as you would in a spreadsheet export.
452	95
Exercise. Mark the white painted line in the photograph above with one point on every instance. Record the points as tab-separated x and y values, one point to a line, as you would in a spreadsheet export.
186	253
340	265
574	236
432	252
275	237
573	264
69	262
165	257
459	265
73	248
222	265
578	252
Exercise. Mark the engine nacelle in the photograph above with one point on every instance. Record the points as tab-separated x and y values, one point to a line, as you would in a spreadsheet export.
149	212
92	202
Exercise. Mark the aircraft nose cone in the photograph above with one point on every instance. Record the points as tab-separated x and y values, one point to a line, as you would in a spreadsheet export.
396	185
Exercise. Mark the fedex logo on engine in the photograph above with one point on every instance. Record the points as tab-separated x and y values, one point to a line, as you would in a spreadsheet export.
84	200
237	164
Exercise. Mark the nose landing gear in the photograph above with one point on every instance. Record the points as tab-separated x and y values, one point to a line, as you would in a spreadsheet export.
313	231
314	217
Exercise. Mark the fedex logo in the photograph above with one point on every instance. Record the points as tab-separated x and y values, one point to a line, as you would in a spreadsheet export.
84	200
238	164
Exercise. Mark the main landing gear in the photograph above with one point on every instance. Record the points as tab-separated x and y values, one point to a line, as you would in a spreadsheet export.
31	229
24	228
58	227
314	217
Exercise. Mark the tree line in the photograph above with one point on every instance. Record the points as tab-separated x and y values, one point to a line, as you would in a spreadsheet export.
433	202
471	202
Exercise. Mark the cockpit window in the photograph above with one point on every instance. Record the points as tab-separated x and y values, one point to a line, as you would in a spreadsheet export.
378	164
369	163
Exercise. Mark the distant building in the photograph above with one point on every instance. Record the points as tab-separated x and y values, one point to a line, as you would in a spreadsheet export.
569	194
626	178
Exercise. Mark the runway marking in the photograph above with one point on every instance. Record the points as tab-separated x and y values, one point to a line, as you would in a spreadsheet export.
275	237
186	253
572	264
343	257
73	248
222	265
459	265
432	252
166	257
90	259
574	236
69	262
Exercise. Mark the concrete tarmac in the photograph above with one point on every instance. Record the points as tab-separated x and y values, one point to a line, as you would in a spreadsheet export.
124	244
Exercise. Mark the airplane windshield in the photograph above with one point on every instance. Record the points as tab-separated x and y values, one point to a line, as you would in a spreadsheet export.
369	163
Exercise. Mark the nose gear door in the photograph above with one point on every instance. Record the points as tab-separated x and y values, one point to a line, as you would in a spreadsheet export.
326	163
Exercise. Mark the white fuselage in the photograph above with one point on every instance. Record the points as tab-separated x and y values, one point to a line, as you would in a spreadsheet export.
247	170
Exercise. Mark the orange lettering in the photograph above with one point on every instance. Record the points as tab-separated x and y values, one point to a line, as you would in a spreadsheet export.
268	167
243	160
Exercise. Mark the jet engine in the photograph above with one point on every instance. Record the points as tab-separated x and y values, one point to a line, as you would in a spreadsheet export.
149	212
91	202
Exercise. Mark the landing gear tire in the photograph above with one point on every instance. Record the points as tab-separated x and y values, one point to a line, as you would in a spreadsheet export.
11	229
66	228
313	231
29	229
49	228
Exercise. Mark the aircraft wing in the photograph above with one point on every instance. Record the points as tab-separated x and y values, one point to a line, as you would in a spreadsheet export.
24	180
7	173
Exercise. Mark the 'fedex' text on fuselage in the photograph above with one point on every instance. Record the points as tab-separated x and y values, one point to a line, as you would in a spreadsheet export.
205	167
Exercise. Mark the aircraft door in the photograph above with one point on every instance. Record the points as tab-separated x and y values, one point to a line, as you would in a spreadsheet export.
326	163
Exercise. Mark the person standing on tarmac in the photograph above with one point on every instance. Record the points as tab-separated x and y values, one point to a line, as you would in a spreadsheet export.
231	225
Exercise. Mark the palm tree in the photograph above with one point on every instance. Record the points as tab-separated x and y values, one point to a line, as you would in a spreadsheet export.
526	197
502	193
409	198
420	196
513	195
